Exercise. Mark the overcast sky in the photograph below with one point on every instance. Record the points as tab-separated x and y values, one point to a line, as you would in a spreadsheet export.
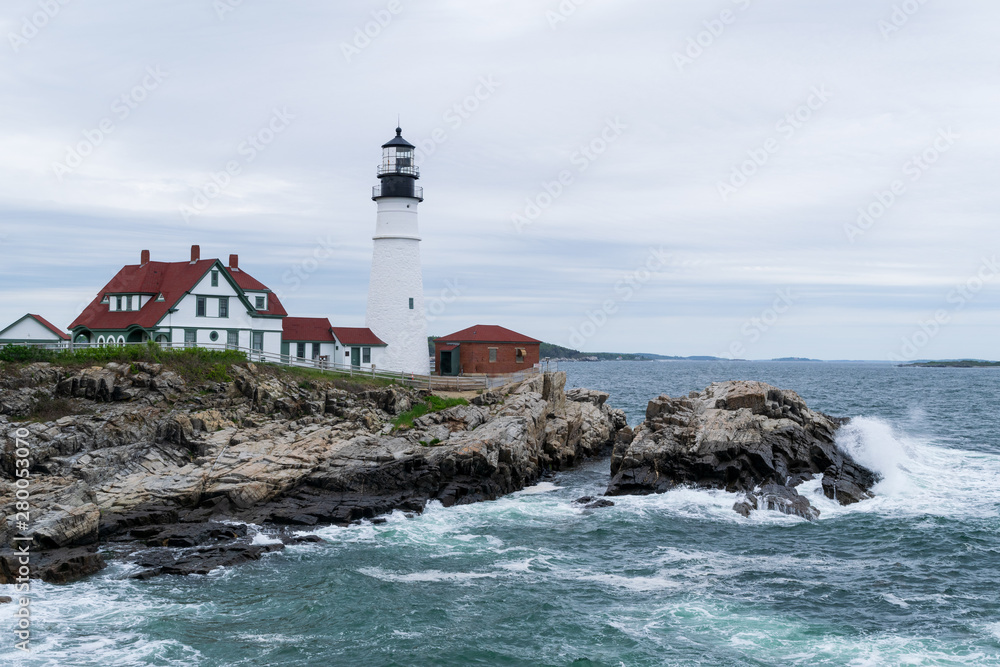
713	158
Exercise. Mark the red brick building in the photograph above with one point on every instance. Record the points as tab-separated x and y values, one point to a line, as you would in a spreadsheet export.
485	349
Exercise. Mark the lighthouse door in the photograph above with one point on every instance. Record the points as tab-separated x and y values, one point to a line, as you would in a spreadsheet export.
355	356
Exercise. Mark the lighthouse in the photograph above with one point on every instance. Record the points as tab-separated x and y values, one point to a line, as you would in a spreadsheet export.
396	288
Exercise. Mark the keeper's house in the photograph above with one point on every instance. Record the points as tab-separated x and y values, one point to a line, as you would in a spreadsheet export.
198	302
485	349
33	329
315	340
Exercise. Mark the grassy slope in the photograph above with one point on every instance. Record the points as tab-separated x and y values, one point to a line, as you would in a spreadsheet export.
196	365
433	404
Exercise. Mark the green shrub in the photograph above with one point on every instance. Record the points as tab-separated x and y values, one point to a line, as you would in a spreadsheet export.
194	364
24	354
432	404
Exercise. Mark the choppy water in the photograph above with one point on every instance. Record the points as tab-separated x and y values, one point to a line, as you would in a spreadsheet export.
909	578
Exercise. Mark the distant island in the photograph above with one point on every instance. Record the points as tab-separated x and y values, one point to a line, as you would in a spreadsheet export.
558	352
963	363
795	359
554	352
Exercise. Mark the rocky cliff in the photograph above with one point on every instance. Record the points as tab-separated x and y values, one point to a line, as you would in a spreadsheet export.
166	476
739	436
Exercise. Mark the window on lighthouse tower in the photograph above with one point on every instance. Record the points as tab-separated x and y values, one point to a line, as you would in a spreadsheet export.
398	160
411	303
404	159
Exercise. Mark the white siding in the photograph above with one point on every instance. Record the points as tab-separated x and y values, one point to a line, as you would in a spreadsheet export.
28	329
342	356
325	350
238	318
395	279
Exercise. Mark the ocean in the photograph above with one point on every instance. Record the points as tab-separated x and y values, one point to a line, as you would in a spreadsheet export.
911	577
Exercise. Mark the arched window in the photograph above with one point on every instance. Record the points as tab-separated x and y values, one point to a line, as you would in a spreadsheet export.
100	340
121	341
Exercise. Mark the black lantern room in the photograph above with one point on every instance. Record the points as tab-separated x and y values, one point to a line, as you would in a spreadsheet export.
398	172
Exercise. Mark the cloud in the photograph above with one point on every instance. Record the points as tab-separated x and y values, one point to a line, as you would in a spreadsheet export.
492	152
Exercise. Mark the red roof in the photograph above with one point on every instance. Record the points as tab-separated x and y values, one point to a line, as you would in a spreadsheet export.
487	333
246	281
51	327
171	279
306	329
445	347
356	336
249	283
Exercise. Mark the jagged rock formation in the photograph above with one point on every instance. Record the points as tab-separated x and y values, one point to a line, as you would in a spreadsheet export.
145	464
740	436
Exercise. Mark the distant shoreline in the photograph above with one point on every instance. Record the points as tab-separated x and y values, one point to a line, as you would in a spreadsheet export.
966	363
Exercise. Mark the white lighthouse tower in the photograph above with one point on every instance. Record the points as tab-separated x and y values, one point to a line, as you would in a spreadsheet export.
396	288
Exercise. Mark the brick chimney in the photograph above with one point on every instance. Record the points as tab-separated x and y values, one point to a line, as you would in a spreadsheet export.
195	253
234	262
144	258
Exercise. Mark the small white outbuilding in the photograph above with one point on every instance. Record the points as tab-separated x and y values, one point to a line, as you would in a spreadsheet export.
33	329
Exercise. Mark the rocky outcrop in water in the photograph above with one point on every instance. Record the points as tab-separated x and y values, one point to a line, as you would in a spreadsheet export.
746	437
147	469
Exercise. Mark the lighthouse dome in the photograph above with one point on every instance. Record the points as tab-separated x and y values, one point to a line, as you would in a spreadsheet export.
398	140
398	171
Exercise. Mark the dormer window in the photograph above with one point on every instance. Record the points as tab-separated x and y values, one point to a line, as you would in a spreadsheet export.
128	302
215	278
118	303
260	303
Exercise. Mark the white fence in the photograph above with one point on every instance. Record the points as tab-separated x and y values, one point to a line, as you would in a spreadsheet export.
431	382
